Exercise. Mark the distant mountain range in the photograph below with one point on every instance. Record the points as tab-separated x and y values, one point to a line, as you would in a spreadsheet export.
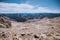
25	16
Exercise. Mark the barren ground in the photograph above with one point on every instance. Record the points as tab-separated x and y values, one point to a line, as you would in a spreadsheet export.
36	29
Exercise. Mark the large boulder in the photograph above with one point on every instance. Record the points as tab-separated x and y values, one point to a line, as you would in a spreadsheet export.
4	22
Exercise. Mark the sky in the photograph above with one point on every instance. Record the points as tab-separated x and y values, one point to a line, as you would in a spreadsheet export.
29	6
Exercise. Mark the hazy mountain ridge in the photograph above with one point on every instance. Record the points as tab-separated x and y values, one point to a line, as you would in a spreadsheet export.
25	16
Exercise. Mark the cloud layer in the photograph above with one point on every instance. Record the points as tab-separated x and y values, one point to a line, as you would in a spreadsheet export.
24	8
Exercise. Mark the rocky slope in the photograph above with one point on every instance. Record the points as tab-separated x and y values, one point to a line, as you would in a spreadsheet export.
35	29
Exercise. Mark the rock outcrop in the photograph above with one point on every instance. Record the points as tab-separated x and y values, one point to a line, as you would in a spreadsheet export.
5	22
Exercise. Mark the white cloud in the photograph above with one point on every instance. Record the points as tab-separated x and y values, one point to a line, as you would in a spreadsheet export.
24	8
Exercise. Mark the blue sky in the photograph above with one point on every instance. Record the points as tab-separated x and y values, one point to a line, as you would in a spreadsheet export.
46	4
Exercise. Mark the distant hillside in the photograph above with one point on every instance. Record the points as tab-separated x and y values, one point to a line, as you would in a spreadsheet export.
20	17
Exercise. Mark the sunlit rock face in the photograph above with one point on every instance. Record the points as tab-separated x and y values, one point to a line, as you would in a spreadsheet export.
35	29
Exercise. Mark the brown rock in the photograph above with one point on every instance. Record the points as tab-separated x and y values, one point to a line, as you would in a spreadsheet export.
5	22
